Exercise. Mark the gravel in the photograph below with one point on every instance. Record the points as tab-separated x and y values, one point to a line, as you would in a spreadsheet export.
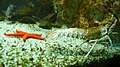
63	51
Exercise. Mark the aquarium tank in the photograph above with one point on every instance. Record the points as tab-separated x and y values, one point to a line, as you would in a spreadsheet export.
59	33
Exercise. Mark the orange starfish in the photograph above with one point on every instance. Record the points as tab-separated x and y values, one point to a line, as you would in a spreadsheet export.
26	35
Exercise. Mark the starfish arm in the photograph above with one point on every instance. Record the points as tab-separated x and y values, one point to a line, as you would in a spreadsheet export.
38	35
25	37
42	38
16	34
35	36
19	31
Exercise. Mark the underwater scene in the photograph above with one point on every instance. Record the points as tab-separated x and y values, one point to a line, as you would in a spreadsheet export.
59	33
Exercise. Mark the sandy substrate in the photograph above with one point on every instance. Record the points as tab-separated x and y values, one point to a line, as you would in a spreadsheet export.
63	51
